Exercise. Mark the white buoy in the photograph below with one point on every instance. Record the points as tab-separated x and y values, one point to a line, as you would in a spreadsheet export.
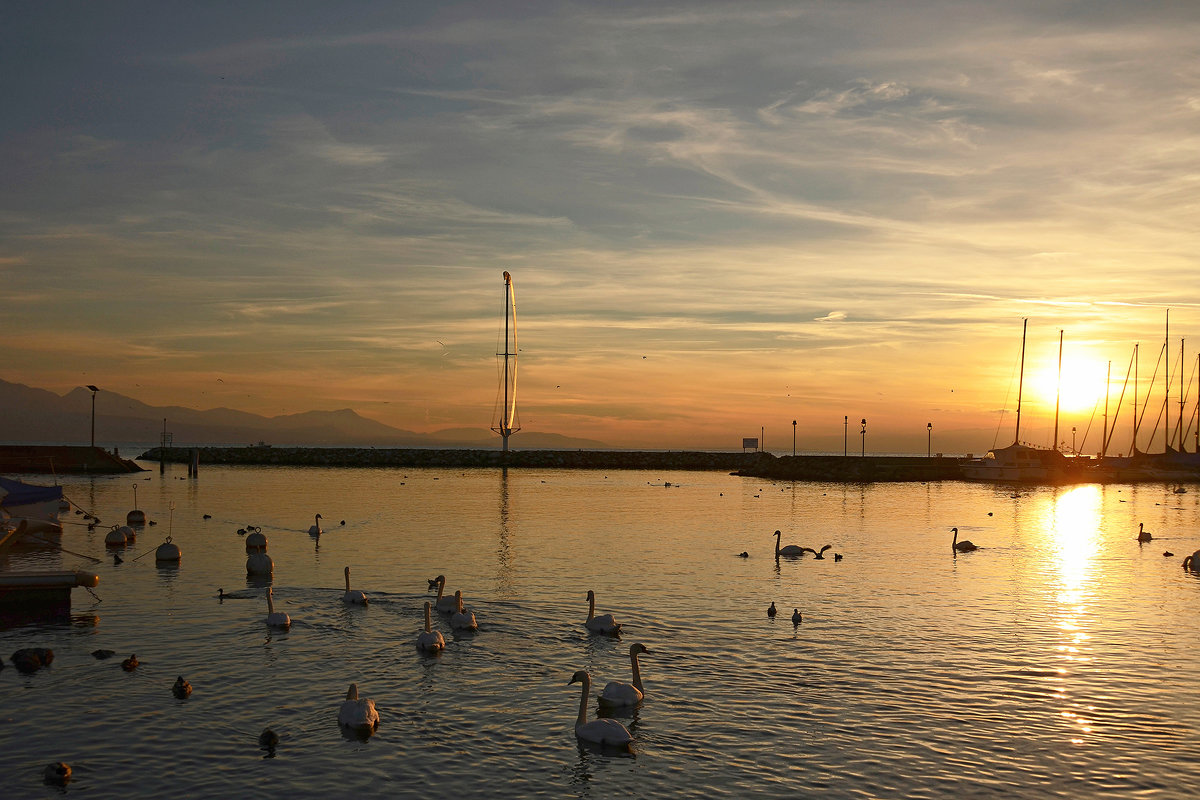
256	541
168	551
130	533
259	563
135	517
115	538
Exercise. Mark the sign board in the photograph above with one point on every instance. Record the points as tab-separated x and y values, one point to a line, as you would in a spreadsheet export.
748	444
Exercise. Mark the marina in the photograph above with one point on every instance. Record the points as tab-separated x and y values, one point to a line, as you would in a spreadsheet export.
1055	659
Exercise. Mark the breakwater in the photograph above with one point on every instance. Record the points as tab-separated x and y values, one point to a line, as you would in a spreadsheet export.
62	459
864	469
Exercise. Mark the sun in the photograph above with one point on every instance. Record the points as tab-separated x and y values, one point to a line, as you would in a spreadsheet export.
1082	388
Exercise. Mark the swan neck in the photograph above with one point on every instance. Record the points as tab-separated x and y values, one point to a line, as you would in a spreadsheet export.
637	672
270	603
583	700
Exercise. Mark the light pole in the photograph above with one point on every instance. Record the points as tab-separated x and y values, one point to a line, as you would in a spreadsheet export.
94	390
1073	450
846	436
929	440
793	438
864	435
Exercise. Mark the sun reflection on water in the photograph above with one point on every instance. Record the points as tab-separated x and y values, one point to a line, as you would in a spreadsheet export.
1074	528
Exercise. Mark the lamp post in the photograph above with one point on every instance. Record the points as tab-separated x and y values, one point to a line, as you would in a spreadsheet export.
94	390
846	436
793	438
864	437
1073	450
929	440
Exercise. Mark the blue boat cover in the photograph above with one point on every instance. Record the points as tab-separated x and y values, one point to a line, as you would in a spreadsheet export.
22	494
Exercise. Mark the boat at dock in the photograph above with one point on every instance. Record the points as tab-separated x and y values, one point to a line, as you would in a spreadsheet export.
37	505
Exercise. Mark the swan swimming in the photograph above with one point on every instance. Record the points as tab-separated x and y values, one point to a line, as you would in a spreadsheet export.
358	713
1143	534
601	731
442	603
788	550
617	693
353	597
429	639
276	619
462	619
965	546
817	553
315	528
601	624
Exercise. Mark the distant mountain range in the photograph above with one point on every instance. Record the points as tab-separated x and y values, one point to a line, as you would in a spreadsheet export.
29	415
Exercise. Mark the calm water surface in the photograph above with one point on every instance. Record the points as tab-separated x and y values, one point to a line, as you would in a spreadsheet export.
1057	660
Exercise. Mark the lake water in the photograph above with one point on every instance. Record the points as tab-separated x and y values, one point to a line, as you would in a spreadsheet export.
1057	660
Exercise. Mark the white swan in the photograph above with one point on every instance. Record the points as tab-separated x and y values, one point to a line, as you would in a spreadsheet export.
429	639
965	546
444	604
626	694
358	713
1143	534
601	731
789	550
603	623
354	597
315	528
462	619
276	619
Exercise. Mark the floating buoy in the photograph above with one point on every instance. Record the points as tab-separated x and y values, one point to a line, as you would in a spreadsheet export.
130	533
136	517
259	563
115	538
57	774
256	541
168	551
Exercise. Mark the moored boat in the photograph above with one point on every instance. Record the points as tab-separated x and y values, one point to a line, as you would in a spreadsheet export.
37	505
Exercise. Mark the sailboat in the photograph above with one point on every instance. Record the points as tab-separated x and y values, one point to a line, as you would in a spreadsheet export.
508	423
1020	463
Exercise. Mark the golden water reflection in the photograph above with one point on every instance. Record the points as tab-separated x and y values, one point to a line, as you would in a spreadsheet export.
1074	531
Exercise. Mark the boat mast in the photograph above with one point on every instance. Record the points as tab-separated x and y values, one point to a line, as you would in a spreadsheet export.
1179	427
1136	345
508	414
1107	385
1058	391
1021	380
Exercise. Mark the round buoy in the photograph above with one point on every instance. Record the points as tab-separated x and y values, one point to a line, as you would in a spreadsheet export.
167	551
114	538
259	563
58	774
256	541
130	533
136	517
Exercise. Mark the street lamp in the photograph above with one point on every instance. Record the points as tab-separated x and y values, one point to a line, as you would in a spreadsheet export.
929	440
1073	450
864	435
94	390
793	438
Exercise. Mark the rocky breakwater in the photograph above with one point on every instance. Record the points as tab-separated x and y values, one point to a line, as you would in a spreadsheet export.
856	469
412	457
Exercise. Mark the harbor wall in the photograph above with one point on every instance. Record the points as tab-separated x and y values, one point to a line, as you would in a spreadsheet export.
808	468
62	460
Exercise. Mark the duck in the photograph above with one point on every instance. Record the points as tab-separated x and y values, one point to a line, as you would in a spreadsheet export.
353	597
181	688
57	774
130	664
1143	534
276	619
358	713
429	639
616	693
964	546
441	603
796	617
788	550
743	554
268	739
462	619
771	611
837	556
601	624
315	528
1192	562
603	731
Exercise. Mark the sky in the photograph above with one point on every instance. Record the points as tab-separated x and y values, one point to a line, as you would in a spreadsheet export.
720	218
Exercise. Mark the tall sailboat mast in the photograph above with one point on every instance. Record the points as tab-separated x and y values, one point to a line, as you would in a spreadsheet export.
1021	380
1058	391
508	424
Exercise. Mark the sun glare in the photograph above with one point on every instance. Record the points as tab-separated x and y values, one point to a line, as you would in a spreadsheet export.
1082	388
